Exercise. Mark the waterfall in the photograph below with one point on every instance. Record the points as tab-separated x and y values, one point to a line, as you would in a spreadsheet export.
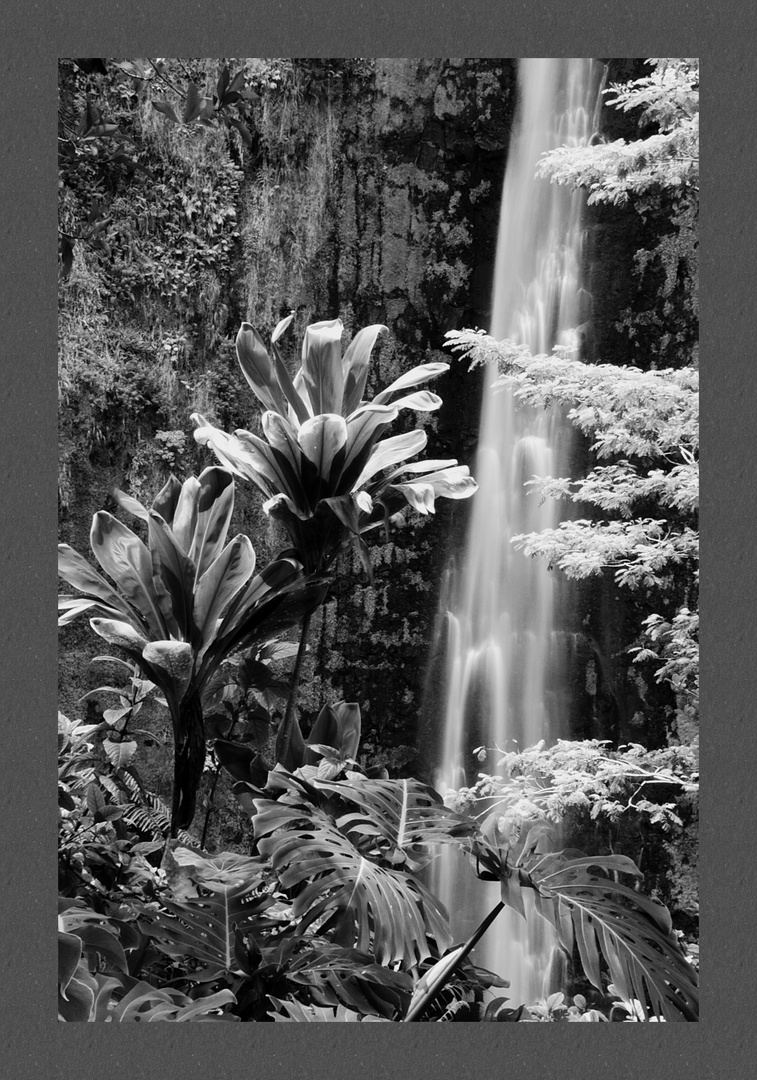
505	666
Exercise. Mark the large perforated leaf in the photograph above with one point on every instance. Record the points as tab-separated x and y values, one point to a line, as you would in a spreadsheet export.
206	929
339	844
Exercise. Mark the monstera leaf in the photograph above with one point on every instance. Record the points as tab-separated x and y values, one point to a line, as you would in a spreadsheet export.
146	1004
345	846
334	975
294	1012
608	922
209	929
629	931
397	821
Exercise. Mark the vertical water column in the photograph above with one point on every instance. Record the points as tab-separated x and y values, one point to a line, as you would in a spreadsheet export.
505	664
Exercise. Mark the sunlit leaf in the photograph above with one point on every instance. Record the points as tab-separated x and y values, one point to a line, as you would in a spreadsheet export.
322	366
412	378
355	365
127	560
257	369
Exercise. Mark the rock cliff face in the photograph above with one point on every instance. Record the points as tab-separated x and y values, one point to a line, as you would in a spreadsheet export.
404	180
371	193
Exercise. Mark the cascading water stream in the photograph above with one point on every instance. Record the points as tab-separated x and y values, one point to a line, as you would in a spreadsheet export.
504	667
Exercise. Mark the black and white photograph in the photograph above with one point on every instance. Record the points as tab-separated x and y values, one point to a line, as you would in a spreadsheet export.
378	476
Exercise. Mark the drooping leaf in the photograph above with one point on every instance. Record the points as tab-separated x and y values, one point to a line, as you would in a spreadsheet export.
172	662
391	451
119	753
420	401
235	758
166	109
419	495
121	634
75	570
129	504
73	606
193	104
412	378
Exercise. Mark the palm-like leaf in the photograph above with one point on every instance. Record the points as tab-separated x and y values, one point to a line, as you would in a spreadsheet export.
183	601
338	845
323	462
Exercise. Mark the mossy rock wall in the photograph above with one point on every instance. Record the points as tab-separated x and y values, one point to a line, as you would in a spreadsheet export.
374	198
405	178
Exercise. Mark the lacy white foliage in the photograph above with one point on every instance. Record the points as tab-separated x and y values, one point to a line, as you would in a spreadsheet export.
625	410
642	551
677	643
547	782
649	422
652	416
621	171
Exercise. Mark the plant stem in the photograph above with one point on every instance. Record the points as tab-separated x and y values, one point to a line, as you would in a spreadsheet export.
189	761
284	737
435	989
212	794
209	811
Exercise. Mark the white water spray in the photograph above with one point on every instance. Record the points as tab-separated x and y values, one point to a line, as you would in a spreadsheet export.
505	668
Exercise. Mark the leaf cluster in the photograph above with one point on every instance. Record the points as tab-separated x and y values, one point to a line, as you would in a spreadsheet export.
588	775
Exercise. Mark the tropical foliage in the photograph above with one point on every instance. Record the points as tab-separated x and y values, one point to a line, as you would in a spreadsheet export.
657	177
324	465
551	781
326	914
643	491
328	920
184	601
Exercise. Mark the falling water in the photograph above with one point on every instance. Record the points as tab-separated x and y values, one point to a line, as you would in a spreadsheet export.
505	668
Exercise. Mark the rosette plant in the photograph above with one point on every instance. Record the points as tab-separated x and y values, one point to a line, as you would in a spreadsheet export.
325	463
183	602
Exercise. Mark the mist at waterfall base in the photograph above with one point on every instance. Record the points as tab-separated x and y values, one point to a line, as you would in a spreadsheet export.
504	652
